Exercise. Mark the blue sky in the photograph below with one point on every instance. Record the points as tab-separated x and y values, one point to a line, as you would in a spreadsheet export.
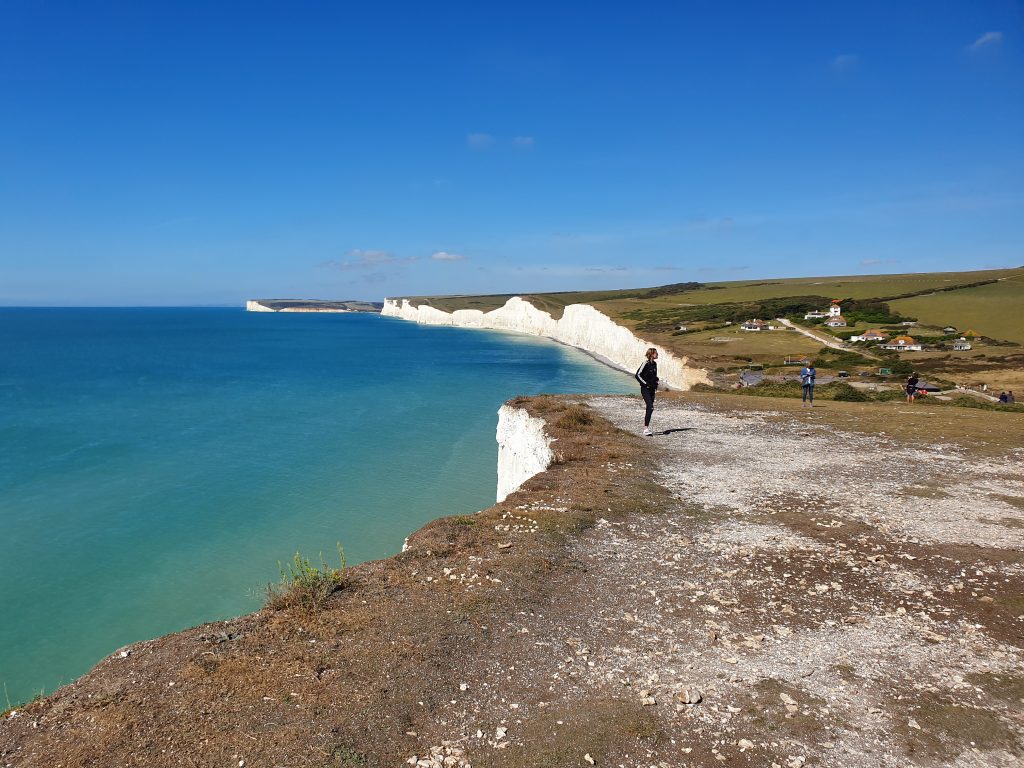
207	152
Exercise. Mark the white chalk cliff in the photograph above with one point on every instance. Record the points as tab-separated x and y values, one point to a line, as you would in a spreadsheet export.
580	326
523	449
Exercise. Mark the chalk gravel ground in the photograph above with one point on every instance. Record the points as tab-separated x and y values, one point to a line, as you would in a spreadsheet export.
823	594
813	597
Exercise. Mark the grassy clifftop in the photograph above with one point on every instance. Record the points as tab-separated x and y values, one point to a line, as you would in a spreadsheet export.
701	320
922	287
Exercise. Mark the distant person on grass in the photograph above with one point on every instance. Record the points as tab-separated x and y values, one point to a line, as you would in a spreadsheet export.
912	382
1003	398
807	377
647	375
1010	399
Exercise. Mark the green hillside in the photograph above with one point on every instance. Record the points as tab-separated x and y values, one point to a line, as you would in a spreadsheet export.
851	286
702	320
995	310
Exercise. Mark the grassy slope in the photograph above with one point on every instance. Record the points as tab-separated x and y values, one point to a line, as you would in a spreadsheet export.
615	303
995	310
989	309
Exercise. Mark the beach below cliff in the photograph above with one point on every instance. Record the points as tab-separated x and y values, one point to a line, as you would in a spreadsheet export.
755	585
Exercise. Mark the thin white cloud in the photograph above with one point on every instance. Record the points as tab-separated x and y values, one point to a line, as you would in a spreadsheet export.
525	142
703	222
445	256
987	40
479	140
844	62
364	259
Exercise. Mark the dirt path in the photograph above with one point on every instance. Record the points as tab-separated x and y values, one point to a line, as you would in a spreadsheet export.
824	339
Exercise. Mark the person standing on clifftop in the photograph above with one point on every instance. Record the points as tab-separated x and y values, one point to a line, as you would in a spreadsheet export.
807	377
911	388
647	375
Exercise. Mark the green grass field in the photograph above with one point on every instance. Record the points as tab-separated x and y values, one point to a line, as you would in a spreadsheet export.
618	302
854	287
995	310
761	346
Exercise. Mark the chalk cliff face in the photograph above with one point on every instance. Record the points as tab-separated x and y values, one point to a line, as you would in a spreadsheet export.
580	326
523	449
255	306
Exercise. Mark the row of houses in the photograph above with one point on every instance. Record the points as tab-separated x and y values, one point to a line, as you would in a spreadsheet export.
909	343
833	316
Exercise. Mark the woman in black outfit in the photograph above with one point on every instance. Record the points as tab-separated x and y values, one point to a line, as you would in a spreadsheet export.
647	375
911	388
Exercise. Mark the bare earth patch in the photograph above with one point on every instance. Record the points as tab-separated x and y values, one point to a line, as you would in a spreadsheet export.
752	586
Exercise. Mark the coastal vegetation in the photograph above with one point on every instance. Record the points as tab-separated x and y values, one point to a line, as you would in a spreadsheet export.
305	586
702	322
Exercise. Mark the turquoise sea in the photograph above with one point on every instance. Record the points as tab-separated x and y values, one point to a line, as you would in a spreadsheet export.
156	464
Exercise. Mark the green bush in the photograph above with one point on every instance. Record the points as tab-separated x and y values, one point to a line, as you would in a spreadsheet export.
840	390
773	389
305	586
901	368
840	358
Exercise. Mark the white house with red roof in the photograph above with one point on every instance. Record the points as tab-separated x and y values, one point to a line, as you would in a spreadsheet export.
903	344
833	317
873	335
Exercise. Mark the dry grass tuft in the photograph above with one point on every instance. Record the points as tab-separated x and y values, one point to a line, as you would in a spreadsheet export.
576	417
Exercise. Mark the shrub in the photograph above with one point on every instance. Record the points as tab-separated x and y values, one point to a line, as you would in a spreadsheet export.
901	368
840	390
305	586
773	389
575	417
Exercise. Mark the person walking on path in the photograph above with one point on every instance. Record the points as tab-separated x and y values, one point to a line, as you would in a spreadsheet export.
647	375
911	388
807	377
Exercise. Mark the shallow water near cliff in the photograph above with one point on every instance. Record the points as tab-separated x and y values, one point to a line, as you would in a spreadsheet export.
156	464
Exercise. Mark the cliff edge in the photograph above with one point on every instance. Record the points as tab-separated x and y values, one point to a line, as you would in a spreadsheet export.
690	599
581	325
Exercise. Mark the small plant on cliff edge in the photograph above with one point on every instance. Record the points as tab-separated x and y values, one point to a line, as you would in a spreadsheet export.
303	585
575	417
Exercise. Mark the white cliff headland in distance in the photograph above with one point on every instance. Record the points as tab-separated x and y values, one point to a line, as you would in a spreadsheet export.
581	325
523	449
309	305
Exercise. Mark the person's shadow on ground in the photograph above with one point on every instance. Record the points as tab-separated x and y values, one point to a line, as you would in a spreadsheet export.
678	429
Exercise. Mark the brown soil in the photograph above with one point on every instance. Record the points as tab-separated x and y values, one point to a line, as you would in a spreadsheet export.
571	620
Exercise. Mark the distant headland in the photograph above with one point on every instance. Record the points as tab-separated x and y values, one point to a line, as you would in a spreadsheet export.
311	305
